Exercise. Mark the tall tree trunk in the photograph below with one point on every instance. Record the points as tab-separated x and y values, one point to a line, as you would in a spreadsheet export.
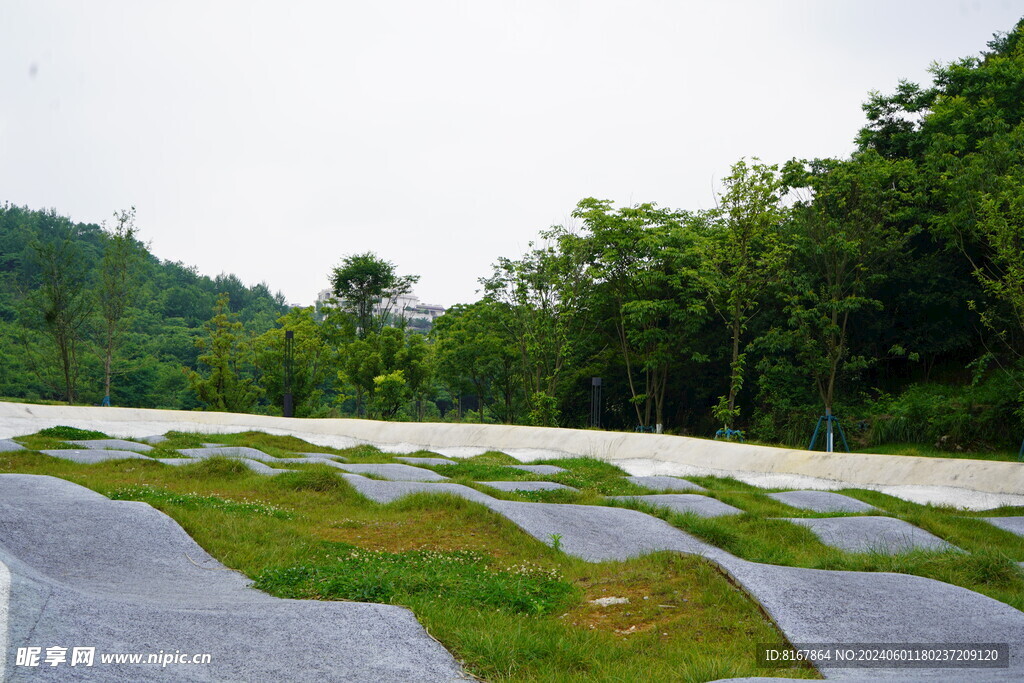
734	369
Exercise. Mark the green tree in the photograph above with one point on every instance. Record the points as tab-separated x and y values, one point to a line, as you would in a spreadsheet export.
745	254
383	353
63	302
225	386
417	363
368	288
119	284
314	361
847	237
541	302
389	395
469	350
645	263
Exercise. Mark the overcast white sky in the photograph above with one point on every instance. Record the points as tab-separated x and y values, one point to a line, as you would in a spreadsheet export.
271	139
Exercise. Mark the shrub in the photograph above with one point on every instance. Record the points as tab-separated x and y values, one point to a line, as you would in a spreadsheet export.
952	418
62	432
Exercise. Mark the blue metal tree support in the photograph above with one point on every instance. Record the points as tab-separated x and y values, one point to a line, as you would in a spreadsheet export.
830	420
1020	453
730	434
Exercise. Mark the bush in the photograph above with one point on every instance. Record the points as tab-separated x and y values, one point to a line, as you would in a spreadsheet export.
953	418
319	478
216	467
62	432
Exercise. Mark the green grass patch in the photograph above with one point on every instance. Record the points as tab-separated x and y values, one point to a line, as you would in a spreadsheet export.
68	433
464	577
159	497
475	471
492	458
929	451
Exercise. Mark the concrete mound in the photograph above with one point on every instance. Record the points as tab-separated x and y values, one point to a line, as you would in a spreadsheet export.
702	506
885	535
1015	525
526	485
433	462
393	472
822	501
228	452
658	483
323	456
86	456
112	445
121	577
539	469
387	491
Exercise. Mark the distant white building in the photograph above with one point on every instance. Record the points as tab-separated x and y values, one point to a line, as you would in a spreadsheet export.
406	306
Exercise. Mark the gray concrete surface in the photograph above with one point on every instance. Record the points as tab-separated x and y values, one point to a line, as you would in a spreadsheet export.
526	485
393	472
387	491
154	439
260	468
8	445
323	456
119	576
178	461
227	452
702	506
885	535
665	484
539	469
89	457
112	445
1015	525
253	458
427	461
822	501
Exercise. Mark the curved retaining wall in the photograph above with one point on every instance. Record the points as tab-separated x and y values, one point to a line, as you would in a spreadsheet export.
861	469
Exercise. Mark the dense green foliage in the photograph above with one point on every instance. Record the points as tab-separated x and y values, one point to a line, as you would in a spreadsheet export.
70	293
887	287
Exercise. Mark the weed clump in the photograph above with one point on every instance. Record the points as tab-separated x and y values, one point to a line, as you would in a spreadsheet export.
313	479
217	467
63	432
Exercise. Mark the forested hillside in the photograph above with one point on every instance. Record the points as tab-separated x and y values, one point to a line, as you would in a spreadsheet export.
886	288
52	295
